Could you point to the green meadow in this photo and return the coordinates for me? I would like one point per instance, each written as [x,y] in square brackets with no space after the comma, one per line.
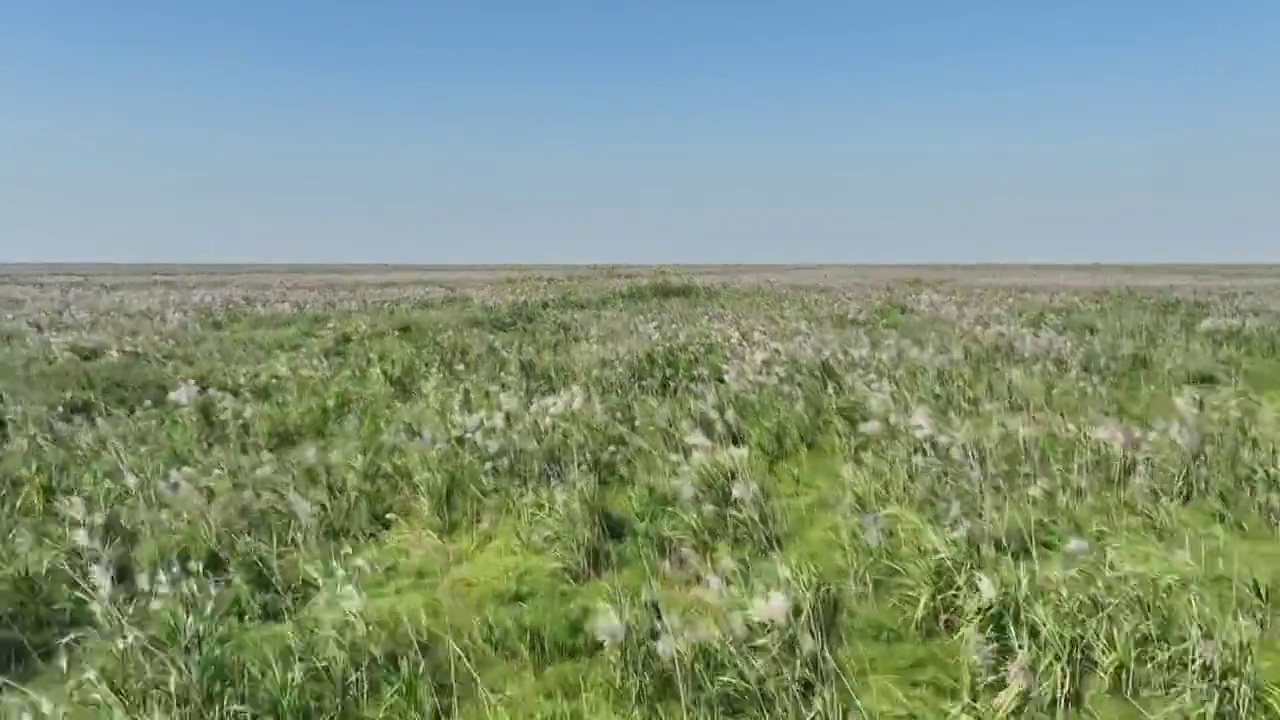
[640,498]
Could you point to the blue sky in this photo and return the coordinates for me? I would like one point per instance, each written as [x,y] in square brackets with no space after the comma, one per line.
[575,131]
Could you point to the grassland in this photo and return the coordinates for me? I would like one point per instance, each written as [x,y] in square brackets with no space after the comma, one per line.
[622,494]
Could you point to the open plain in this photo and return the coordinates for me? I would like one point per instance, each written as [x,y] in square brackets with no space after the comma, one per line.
[618,492]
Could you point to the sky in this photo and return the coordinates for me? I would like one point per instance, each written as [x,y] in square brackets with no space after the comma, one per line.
[576,131]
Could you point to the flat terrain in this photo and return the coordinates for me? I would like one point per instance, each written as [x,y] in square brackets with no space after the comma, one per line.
[838,275]
[698,492]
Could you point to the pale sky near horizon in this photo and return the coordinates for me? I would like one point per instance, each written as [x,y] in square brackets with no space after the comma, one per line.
[571,131]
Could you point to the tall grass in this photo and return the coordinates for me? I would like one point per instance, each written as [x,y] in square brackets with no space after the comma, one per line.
[639,499]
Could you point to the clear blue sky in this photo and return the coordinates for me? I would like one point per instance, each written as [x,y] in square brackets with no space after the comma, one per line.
[662,131]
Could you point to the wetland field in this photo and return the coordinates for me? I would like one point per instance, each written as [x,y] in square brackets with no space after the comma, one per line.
[685,493]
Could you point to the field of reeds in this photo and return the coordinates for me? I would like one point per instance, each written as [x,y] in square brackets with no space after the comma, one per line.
[638,497]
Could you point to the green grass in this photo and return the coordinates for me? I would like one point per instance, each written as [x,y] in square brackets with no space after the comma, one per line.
[630,499]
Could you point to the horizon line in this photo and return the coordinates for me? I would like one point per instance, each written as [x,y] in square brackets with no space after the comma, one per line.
[604,265]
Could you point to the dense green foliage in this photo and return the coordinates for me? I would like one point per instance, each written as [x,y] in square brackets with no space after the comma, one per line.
[640,499]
